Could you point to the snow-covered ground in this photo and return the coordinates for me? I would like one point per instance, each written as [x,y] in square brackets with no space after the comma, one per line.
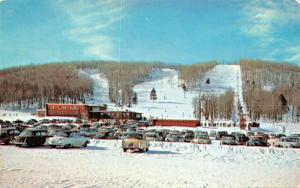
[103,164]
[172,102]
[100,90]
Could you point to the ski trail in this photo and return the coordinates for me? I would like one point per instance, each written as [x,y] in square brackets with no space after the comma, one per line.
[223,78]
[172,102]
[100,87]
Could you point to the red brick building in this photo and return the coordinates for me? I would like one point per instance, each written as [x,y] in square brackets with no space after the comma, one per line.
[175,122]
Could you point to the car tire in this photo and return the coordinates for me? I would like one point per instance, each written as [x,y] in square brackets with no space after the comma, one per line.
[85,144]
[147,149]
[67,146]
[124,149]
[6,143]
[52,146]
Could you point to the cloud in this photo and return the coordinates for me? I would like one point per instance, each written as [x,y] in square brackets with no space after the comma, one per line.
[2,1]
[263,20]
[91,23]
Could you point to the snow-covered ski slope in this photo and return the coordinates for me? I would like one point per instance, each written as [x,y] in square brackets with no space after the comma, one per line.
[100,90]
[103,164]
[174,103]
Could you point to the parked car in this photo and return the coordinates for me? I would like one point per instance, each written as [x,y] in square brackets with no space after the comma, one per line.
[257,141]
[204,133]
[174,137]
[104,133]
[229,140]
[117,134]
[88,132]
[188,135]
[31,137]
[53,131]
[140,131]
[295,135]
[288,142]
[153,136]
[7,135]
[220,134]
[163,133]
[213,134]
[67,140]
[135,141]
[249,134]
[274,138]
[241,137]
[201,139]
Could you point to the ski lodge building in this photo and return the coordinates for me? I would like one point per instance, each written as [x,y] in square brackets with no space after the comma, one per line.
[86,112]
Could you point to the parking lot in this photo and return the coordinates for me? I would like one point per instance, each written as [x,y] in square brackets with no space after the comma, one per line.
[104,164]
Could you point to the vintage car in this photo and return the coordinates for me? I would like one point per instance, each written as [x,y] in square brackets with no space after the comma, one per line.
[257,141]
[88,132]
[295,135]
[201,139]
[229,140]
[213,134]
[153,136]
[203,133]
[274,138]
[104,133]
[67,140]
[220,134]
[188,135]
[163,133]
[7,135]
[241,137]
[174,137]
[135,141]
[31,137]
[140,131]
[250,134]
[288,142]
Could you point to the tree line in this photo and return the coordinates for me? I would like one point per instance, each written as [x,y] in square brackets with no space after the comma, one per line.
[122,77]
[214,106]
[27,86]
[271,89]
[191,74]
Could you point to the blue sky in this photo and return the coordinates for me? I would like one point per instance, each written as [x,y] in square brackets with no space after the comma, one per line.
[171,31]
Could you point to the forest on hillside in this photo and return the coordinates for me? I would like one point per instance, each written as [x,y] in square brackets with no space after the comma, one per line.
[31,85]
[191,74]
[271,89]
[214,106]
[122,77]
[34,86]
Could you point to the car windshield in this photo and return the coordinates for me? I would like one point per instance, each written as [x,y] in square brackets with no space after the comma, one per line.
[292,139]
[134,135]
[297,135]
[151,134]
[74,134]
[201,136]
[26,133]
[62,134]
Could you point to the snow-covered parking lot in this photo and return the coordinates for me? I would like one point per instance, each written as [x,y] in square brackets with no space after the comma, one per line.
[103,164]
